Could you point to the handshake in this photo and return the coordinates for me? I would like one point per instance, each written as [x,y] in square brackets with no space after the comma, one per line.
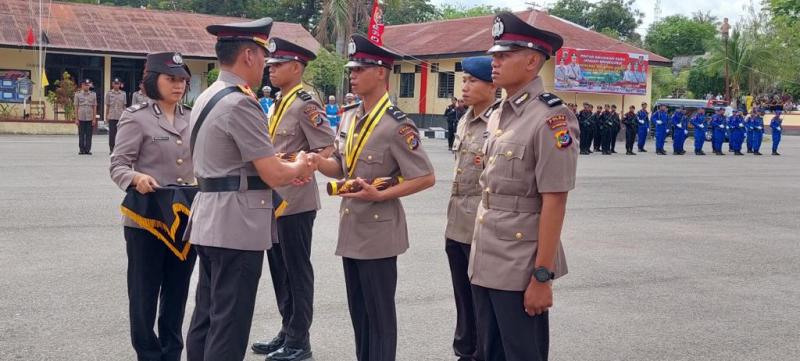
[304,164]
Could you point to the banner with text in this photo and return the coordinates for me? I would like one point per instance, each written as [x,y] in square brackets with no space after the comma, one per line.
[593,71]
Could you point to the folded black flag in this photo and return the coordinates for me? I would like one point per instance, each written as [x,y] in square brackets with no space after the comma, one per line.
[164,213]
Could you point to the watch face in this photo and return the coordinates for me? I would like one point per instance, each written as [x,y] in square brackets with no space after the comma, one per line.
[543,274]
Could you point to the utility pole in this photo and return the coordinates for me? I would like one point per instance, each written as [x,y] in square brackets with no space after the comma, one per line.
[724,28]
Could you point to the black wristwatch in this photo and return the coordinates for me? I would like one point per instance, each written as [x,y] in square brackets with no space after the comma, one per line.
[542,274]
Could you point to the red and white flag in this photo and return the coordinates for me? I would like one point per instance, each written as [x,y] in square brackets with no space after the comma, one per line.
[375,31]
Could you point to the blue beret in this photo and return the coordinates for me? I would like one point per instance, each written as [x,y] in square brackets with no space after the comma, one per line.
[479,67]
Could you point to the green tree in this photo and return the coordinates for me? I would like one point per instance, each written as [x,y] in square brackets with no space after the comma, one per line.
[325,73]
[669,85]
[449,11]
[396,12]
[702,81]
[575,11]
[678,35]
[784,8]
[617,15]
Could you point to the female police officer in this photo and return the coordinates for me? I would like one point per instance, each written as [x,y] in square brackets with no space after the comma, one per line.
[152,149]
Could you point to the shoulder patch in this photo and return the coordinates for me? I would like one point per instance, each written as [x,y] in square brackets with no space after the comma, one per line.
[396,113]
[550,99]
[315,115]
[557,121]
[563,139]
[492,108]
[304,95]
[137,107]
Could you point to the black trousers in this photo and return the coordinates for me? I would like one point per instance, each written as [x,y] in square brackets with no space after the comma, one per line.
[614,135]
[451,136]
[85,130]
[605,139]
[157,280]
[371,286]
[112,134]
[598,137]
[465,342]
[293,276]
[630,138]
[505,331]
[224,303]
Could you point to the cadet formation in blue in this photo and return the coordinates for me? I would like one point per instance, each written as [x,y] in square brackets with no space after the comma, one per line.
[600,128]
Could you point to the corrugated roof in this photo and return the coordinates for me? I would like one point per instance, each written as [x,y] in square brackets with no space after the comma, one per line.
[113,29]
[474,35]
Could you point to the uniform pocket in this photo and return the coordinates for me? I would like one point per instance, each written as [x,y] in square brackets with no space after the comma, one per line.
[258,200]
[511,228]
[286,132]
[378,212]
[369,161]
[508,159]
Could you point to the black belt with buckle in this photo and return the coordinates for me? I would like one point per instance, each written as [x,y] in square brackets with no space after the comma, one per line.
[230,184]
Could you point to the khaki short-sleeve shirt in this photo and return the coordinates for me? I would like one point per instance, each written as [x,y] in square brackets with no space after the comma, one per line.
[531,149]
[85,105]
[232,136]
[373,230]
[115,100]
[466,192]
[302,127]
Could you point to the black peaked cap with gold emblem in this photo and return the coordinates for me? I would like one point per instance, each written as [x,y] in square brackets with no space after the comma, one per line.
[256,31]
[363,52]
[167,63]
[281,51]
[512,33]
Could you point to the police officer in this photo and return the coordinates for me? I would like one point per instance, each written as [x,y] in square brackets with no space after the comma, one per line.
[479,95]
[615,128]
[236,168]
[643,127]
[298,123]
[139,95]
[680,121]
[153,150]
[606,129]
[381,141]
[631,123]
[776,124]
[699,124]
[719,124]
[748,127]
[585,122]
[598,128]
[516,249]
[266,100]
[736,126]
[85,102]
[661,120]
[757,125]
[115,103]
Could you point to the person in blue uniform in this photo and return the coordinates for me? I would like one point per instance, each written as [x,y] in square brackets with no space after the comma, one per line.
[699,124]
[736,126]
[776,124]
[644,127]
[679,122]
[266,101]
[757,130]
[661,120]
[748,127]
[719,124]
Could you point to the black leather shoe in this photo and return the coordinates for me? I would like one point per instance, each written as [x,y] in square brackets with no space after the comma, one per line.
[266,348]
[757,153]
[287,353]
[642,150]
[775,153]
[738,153]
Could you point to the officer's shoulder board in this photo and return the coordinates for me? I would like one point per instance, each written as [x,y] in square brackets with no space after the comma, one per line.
[136,107]
[349,107]
[396,113]
[302,94]
[550,99]
[492,108]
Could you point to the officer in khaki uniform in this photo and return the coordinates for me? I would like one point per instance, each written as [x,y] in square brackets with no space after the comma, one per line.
[381,141]
[298,123]
[479,95]
[85,102]
[138,96]
[115,103]
[532,157]
[236,170]
[153,150]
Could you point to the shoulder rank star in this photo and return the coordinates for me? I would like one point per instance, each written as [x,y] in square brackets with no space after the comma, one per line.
[563,139]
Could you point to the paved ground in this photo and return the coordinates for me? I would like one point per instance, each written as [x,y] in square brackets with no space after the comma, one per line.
[671,258]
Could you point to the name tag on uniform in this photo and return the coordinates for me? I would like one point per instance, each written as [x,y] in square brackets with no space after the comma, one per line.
[156,139]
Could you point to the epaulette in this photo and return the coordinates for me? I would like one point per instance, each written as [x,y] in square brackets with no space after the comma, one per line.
[137,107]
[550,99]
[350,107]
[304,95]
[396,113]
[492,108]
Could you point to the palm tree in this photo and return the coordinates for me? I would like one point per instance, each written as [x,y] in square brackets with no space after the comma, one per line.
[339,20]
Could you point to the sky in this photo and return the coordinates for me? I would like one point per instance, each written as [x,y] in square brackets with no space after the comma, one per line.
[732,9]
